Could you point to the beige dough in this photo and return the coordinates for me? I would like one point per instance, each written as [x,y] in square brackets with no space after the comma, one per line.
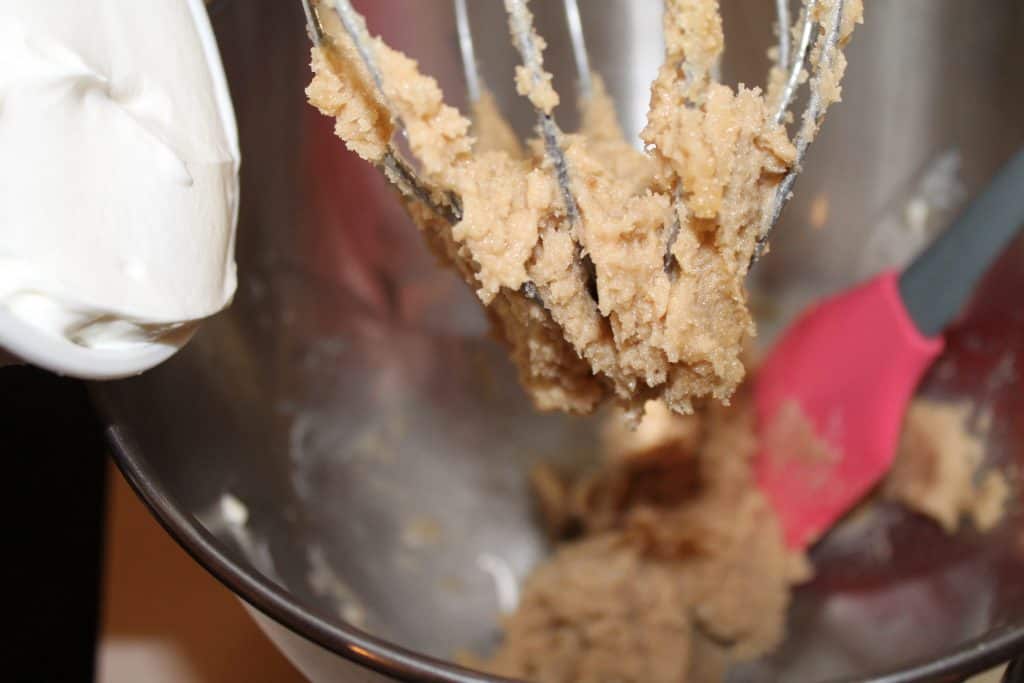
[644,296]
[670,564]
[936,472]
[680,568]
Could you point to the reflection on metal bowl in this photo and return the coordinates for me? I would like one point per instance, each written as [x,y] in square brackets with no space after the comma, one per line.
[352,406]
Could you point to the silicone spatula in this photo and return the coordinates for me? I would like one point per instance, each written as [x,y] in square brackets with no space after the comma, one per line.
[851,363]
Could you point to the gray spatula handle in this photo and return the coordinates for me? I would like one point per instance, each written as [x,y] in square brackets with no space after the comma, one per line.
[937,284]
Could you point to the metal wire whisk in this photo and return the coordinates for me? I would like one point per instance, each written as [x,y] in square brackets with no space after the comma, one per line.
[792,59]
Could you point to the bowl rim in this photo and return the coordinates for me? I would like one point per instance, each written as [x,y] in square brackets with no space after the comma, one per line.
[378,654]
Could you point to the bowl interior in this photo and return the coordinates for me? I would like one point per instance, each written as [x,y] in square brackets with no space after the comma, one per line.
[349,432]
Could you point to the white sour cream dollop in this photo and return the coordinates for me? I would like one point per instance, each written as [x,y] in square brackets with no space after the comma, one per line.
[118,182]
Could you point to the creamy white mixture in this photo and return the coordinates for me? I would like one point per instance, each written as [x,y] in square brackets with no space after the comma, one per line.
[118,173]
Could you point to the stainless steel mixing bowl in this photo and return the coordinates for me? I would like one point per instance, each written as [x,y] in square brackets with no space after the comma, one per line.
[345,448]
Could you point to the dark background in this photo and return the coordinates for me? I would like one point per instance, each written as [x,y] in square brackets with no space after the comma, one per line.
[53,497]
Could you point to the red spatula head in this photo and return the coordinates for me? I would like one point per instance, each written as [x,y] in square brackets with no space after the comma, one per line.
[846,370]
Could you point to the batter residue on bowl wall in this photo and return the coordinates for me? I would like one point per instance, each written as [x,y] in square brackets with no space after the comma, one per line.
[936,472]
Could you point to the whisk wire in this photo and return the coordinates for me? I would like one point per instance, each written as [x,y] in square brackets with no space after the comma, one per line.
[396,169]
[796,66]
[355,26]
[811,119]
[521,26]
[313,28]
[468,51]
[791,59]
[782,21]
[579,47]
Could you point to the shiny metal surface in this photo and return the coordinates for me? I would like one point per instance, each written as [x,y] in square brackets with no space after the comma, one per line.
[352,402]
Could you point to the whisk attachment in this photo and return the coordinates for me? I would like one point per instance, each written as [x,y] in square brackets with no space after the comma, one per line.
[399,172]
[526,43]
[792,59]
[663,237]
[525,38]
[812,116]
